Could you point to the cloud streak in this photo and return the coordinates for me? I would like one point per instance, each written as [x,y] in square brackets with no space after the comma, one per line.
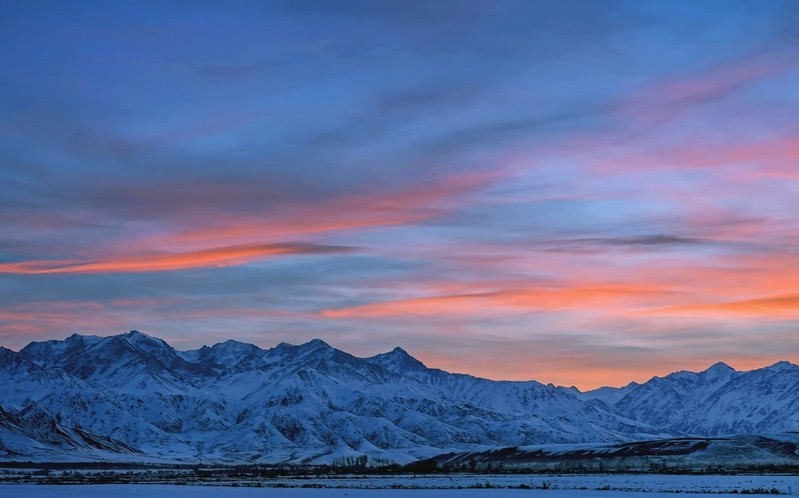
[158,262]
[778,307]
[531,299]
[667,98]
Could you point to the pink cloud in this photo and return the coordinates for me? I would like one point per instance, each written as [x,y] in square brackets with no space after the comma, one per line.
[779,307]
[364,210]
[579,297]
[153,262]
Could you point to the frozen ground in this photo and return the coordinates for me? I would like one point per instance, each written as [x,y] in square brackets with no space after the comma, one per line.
[578,486]
[168,491]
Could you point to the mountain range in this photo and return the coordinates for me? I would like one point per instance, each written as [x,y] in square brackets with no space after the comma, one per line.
[133,397]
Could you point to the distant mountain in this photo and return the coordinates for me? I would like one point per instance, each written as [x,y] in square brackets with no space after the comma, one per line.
[133,397]
[716,402]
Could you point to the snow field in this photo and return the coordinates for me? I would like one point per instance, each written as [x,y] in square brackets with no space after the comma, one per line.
[578,486]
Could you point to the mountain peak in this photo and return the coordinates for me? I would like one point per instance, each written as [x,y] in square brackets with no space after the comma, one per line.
[76,337]
[231,345]
[228,354]
[397,361]
[782,366]
[135,334]
[145,342]
[720,367]
[717,374]
[317,343]
[232,342]
[314,347]
[48,351]
[9,358]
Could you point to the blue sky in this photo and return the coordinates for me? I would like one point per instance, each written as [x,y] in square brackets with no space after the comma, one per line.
[578,192]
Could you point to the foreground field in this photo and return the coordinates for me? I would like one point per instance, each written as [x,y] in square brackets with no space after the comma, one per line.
[447,486]
[159,491]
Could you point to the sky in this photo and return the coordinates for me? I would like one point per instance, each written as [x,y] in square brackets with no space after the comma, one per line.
[577,192]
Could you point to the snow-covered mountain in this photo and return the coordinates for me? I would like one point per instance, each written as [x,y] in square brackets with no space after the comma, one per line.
[134,397]
[716,402]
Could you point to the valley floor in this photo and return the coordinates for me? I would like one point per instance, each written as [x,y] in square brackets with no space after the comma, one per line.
[447,486]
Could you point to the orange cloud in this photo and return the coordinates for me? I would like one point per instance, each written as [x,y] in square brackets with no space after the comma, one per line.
[537,299]
[357,211]
[218,256]
[260,235]
[779,306]
[731,278]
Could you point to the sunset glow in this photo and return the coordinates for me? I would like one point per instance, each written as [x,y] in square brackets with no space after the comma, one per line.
[575,192]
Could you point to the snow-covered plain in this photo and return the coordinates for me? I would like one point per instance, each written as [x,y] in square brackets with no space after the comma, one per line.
[578,486]
[159,491]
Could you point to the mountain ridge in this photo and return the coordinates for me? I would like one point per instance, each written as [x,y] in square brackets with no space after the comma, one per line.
[133,396]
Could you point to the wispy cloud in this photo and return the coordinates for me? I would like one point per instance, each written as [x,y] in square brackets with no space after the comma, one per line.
[667,98]
[154,262]
[364,210]
[778,307]
[607,297]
